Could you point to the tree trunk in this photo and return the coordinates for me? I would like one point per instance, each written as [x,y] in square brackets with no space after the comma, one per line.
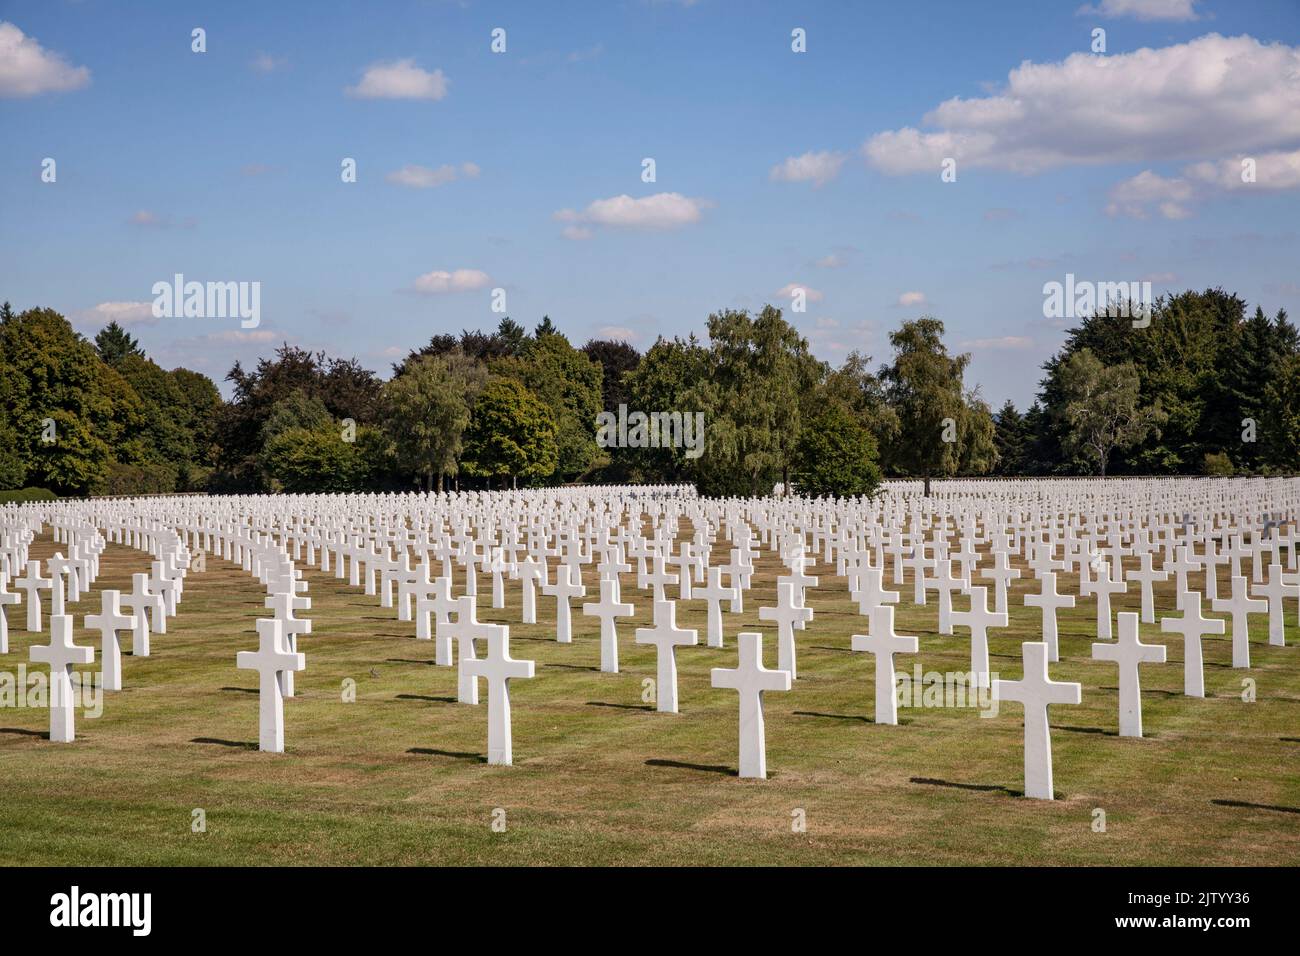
[927,486]
[785,479]
[439,482]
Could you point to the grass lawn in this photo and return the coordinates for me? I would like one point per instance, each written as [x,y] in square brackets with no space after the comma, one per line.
[399,776]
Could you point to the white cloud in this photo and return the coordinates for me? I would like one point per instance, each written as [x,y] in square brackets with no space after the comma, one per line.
[1200,182]
[618,332]
[399,80]
[1273,171]
[818,168]
[911,299]
[787,290]
[832,261]
[1159,278]
[459,280]
[422,177]
[28,69]
[265,63]
[1181,10]
[1132,197]
[576,233]
[240,337]
[1177,102]
[658,212]
[1004,342]
[123,313]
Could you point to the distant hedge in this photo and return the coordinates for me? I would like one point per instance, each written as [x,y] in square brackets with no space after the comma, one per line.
[26,494]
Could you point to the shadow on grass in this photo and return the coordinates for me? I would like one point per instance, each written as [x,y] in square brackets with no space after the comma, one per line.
[240,744]
[682,765]
[574,667]
[243,690]
[408,660]
[43,734]
[439,700]
[457,754]
[601,703]
[1087,730]
[1254,806]
[981,787]
[812,713]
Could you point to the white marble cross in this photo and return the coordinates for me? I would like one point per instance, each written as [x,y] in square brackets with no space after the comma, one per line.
[1146,575]
[979,619]
[283,604]
[1106,585]
[713,596]
[1239,606]
[6,597]
[32,583]
[608,609]
[1274,591]
[1036,691]
[139,601]
[884,644]
[563,589]
[750,678]
[270,660]
[498,668]
[666,637]
[531,571]
[786,615]
[1049,600]
[1128,652]
[108,622]
[61,654]
[1192,626]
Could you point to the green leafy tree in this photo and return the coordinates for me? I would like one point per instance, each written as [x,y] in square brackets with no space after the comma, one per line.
[924,387]
[114,343]
[318,459]
[428,409]
[836,455]
[1103,410]
[511,434]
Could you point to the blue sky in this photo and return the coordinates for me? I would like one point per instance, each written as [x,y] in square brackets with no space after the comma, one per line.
[773,168]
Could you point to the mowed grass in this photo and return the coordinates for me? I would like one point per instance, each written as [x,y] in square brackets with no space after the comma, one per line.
[399,776]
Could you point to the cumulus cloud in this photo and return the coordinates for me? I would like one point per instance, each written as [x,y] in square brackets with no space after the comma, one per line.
[787,290]
[399,80]
[28,69]
[911,299]
[1135,197]
[422,177]
[265,63]
[817,168]
[1002,342]
[659,212]
[459,280]
[1180,10]
[1273,171]
[832,261]
[1172,197]
[1180,102]
[123,313]
[618,332]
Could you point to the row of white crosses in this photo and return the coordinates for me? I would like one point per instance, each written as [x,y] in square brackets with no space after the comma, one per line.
[1081,527]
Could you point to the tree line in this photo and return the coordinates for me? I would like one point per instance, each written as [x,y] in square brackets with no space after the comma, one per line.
[1202,389]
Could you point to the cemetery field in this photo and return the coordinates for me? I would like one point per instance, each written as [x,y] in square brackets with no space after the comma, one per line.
[400,776]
